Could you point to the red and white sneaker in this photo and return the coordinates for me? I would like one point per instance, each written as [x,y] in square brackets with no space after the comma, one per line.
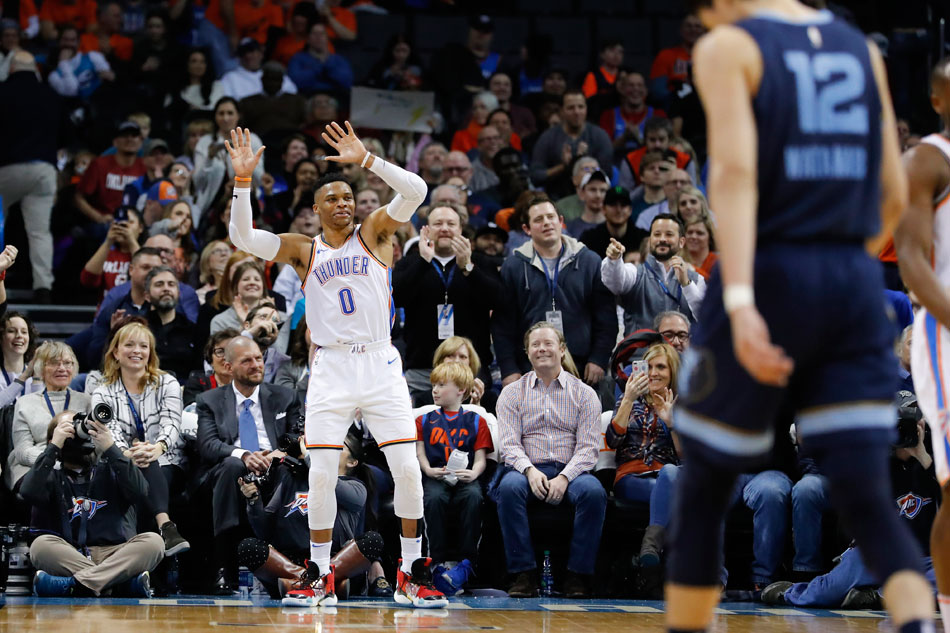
[416,588]
[312,589]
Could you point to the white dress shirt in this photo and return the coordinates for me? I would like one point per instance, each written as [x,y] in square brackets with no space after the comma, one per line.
[258,419]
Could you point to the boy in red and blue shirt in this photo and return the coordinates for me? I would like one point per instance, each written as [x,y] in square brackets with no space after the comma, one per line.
[439,432]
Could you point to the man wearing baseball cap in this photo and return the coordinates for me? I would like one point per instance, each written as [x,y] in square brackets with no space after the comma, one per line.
[591,192]
[156,159]
[159,194]
[100,191]
[617,225]
[245,80]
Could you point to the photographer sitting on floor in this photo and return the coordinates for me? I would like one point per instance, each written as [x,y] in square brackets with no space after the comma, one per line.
[87,506]
[277,512]
[851,585]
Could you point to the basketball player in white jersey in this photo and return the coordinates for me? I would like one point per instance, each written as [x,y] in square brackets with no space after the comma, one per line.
[345,273]
[923,252]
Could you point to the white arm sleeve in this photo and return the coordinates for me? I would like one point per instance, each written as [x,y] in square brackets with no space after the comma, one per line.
[263,244]
[410,189]
[618,277]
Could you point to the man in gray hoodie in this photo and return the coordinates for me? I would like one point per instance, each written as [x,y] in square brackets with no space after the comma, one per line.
[553,278]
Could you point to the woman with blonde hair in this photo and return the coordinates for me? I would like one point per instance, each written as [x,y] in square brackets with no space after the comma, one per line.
[642,434]
[54,365]
[247,290]
[689,204]
[700,248]
[146,404]
[211,266]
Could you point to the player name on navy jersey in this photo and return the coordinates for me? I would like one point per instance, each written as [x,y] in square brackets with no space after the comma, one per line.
[341,267]
[818,114]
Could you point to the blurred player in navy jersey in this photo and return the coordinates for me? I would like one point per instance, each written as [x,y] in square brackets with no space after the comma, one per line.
[924,256]
[804,163]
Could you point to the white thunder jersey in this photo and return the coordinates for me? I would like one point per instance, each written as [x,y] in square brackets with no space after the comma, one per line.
[348,294]
[930,344]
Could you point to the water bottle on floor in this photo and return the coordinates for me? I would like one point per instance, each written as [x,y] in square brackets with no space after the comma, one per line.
[547,578]
[245,583]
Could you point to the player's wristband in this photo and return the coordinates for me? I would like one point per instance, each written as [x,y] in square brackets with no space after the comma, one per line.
[365,159]
[242,180]
[737,296]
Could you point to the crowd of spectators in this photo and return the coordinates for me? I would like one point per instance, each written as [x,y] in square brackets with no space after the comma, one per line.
[544,294]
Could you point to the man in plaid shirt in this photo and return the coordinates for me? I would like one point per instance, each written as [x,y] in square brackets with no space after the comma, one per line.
[549,422]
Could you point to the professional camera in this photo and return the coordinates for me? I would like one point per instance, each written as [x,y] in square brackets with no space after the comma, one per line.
[289,442]
[908,415]
[101,413]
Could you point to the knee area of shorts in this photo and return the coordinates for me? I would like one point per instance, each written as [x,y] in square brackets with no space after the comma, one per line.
[407,470]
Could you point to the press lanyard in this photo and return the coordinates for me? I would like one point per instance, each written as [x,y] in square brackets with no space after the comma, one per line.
[552,281]
[6,376]
[678,298]
[139,427]
[49,403]
[446,281]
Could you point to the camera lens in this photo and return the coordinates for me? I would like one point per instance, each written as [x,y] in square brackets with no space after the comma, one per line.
[103,413]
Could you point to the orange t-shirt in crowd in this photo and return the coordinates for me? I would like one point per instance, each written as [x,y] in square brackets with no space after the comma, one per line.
[466,139]
[705,269]
[672,63]
[590,86]
[121,45]
[288,46]
[82,14]
[252,21]
[345,17]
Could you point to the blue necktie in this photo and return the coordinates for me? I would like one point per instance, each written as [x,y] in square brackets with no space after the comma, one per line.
[248,429]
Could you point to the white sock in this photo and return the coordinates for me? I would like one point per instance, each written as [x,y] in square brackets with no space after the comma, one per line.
[944,602]
[411,550]
[320,554]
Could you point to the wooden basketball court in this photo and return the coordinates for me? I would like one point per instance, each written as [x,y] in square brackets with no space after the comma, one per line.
[227,615]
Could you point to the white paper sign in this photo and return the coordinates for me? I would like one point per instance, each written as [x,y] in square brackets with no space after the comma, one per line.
[391,109]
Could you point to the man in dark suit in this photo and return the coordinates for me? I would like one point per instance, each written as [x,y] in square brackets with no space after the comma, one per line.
[238,430]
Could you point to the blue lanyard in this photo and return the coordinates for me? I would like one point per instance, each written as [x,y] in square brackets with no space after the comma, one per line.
[139,427]
[446,281]
[552,281]
[678,298]
[6,376]
[49,403]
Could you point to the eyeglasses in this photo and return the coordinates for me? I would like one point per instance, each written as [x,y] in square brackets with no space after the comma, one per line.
[670,335]
[221,251]
[65,364]
[218,352]
[181,172]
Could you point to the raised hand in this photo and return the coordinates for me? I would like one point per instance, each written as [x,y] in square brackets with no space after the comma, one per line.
[349,145]
[426,247]
[243,158]
[663,403]
[615,249]
[7,257]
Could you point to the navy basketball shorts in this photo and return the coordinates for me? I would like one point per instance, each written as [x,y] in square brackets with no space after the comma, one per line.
[824,304]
